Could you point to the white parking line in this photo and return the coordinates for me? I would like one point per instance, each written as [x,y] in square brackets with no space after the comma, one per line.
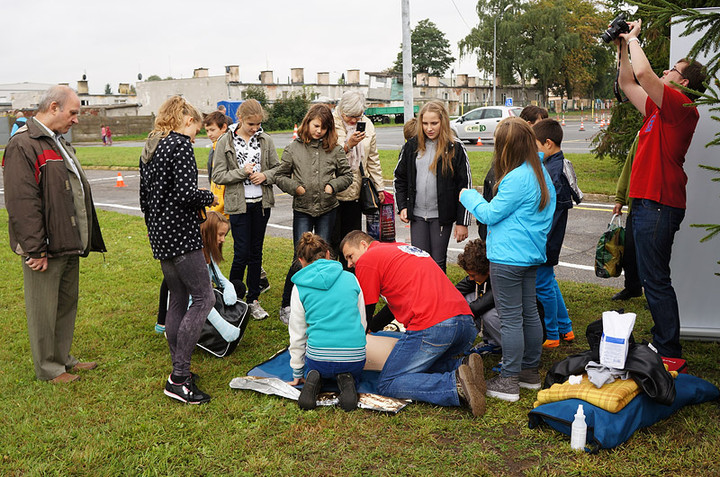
[118,206]
[113,178]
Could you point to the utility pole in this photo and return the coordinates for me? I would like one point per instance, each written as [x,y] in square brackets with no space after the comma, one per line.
[495,50]
[407,63]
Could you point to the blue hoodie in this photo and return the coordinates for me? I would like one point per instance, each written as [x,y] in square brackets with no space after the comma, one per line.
[327,317]
[517,230]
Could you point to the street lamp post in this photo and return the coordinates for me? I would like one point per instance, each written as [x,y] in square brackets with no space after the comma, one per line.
[495,51]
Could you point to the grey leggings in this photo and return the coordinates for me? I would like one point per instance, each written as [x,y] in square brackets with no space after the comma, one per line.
[186,275]
[429,235]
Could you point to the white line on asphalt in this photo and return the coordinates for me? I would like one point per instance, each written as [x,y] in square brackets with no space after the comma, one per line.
[114,178]
[118,206]
[589,204]
[281,227]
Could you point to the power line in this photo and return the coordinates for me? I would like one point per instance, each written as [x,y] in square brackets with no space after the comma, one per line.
[461,16]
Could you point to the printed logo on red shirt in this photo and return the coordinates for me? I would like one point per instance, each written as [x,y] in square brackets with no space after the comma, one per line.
[412,250]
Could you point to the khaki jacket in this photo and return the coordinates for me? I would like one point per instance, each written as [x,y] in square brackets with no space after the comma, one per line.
[310,166]
[226,171]
[370,159]
[39,197]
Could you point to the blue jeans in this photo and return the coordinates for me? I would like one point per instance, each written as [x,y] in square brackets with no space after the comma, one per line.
[422,364]
[248,231]
[556,315]
[322,225]
[654,226]
[521,330]
[330,369]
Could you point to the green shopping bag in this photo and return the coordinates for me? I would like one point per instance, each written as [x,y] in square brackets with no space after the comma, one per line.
[610,250]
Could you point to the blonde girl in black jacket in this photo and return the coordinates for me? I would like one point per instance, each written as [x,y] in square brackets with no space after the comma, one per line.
[171,201]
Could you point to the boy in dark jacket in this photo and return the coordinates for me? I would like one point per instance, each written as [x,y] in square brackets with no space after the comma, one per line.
[477,290]
[558,326]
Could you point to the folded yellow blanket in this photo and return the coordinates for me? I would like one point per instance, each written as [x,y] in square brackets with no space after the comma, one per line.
[612,396]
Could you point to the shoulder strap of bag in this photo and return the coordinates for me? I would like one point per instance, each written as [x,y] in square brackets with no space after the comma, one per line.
[216,276]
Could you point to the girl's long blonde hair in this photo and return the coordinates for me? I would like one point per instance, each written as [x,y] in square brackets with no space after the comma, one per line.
[443,153]
[171,113]
[514,145]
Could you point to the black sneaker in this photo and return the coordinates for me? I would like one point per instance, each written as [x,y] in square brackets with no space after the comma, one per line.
[186,392]
[310,390]
[626,294]
[348,395]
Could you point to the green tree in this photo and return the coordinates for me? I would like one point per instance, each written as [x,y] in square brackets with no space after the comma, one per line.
[153,78]
[587,62]
[430,50]
[512,64]
[286,112]
[553,42]
[108,89]
[257,93]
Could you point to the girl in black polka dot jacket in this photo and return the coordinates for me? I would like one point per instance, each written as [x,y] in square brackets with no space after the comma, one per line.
[170,200]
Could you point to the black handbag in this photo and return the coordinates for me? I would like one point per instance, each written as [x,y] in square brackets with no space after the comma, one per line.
[236,315]
[369,198]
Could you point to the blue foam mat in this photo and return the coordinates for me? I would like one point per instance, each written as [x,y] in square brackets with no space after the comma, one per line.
[279,367]
[605,429]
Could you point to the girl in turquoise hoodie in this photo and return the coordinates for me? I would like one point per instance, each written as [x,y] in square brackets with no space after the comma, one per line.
[327,324]
[518,218]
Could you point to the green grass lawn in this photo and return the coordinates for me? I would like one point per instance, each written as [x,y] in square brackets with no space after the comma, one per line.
[595,176]
[116,420]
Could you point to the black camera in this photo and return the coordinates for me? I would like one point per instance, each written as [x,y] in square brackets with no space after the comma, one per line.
[619,25]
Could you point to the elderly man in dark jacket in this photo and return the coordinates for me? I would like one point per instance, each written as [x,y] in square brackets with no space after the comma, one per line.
[52,223]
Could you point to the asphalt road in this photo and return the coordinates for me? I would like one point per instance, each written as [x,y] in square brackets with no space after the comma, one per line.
[391,138]
[585,224]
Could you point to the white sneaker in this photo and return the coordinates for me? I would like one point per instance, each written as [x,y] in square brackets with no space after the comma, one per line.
[285,314]
[257,311]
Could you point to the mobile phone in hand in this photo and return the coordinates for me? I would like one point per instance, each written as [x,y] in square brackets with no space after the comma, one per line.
[360,126]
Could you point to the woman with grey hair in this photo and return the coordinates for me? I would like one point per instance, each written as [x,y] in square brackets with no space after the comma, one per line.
[360,148]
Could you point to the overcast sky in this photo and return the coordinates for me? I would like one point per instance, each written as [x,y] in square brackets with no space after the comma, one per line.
[113,41]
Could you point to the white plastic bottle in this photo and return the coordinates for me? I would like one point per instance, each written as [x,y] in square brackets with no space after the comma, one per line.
[578,435]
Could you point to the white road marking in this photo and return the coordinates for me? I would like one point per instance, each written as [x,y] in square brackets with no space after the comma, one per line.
[450,249]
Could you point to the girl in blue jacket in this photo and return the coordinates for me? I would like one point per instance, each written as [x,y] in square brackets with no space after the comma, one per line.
[518,218]
[327,324]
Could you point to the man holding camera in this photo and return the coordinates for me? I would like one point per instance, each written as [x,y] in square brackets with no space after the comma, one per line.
[657,180]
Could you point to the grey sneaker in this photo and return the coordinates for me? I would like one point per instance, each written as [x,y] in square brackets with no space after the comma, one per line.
[469,390]
[505,388]
[529,378]
[285,314]
[257,311]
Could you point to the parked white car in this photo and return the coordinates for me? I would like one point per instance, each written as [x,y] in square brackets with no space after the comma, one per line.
[481,122]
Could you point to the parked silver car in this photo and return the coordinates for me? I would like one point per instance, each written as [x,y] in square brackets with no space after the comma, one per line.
[481,122]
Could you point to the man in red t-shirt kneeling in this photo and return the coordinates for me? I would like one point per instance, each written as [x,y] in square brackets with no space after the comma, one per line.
[438,322]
